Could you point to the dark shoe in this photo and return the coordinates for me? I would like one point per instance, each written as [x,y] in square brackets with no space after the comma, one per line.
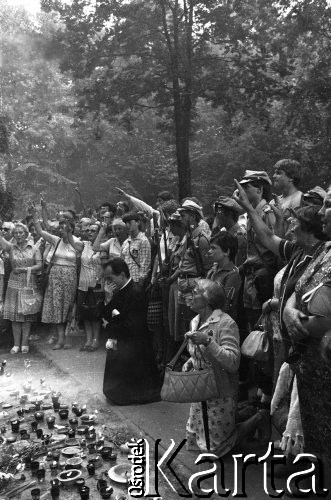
[91,348]
[57,346]
[85,347]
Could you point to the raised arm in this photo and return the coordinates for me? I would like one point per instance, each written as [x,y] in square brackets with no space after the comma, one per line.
[44,212]
[97,245]
[44,234]
[138,205]
[4,244]
[262,231]
[74,242]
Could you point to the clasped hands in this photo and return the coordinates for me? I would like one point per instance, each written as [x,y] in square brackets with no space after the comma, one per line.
[197,337]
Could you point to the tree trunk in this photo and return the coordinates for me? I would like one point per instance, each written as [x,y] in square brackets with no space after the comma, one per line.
[182,113]
[182,126]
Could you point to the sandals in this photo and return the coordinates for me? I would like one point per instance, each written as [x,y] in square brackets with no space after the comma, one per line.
[16,349]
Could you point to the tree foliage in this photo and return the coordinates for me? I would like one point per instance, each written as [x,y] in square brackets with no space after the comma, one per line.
[152,95]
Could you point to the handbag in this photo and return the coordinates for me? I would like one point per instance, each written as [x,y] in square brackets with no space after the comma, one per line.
[43,278]
[256,345]
[188,387]
[29,300]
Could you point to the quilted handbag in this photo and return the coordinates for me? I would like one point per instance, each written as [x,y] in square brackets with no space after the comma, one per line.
[256,345]
[188,387]
[30,299]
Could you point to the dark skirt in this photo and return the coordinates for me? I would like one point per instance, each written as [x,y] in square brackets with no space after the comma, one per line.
[87,304]
[131,375]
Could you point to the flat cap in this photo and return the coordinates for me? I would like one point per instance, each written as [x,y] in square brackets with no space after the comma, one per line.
[255,175]
[190,206]
[316,192]
[227,202]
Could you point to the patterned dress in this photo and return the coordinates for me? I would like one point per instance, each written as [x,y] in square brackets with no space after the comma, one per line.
[313,373]
[61,289]
[20,257]
[221,411]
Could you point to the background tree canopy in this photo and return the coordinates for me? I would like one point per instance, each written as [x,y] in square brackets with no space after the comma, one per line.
[168,94]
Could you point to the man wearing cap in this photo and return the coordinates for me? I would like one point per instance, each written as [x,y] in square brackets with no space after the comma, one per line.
[227,212]
[136,249]
[286,180]
[195,261]
[314,196]
[261,264]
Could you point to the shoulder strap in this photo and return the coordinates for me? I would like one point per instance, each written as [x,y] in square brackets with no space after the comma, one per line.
[174,360]
[51,262]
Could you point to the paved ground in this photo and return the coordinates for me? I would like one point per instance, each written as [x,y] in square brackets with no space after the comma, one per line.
[83,373]
[165,421]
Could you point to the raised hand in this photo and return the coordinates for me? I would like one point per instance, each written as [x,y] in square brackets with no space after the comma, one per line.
[241,197]
[121,192]
[32,209]
[42,200]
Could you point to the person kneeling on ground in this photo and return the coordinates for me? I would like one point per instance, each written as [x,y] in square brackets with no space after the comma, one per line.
[131,375]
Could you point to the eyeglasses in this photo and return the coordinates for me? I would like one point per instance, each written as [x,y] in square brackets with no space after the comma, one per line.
[5,229]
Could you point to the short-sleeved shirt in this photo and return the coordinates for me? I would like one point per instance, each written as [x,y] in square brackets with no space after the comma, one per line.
[65,255]
[112,246]
[188,264]
[137,254]
[90,271]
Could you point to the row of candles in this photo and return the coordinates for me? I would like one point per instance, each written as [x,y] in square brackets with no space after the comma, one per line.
[84,491]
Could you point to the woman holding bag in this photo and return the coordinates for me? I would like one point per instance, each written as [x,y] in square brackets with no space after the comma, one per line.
[24,257]
[61,287]
[213,338]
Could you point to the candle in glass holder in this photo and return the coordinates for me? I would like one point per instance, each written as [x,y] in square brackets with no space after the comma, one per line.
[15,426]
[39,416]
[34,466]
[63,414]
[50,420]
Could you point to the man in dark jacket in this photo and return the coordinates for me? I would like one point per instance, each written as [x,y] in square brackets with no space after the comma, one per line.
[131,375]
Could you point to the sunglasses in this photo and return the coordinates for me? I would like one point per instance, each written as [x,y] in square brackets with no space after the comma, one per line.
[5,229]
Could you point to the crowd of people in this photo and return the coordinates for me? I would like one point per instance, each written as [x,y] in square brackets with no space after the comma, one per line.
[150,277]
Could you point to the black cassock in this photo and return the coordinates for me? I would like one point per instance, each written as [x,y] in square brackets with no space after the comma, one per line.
[131,375]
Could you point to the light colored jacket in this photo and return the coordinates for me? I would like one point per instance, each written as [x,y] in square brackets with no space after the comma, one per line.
[223,351]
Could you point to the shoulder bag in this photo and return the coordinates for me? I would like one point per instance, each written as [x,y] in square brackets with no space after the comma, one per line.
[188,387]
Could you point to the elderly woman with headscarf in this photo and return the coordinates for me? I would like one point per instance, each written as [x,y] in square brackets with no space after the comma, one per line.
[25,260]
[213,338]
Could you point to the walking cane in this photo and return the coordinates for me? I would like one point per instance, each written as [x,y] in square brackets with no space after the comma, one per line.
[205,423]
